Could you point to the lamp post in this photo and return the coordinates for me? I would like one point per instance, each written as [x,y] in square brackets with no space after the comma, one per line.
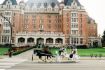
[10,46]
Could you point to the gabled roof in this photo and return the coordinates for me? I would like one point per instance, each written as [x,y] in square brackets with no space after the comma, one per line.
[14,2]
[69,2]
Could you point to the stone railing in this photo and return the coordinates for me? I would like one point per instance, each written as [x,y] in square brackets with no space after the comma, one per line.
[40,34]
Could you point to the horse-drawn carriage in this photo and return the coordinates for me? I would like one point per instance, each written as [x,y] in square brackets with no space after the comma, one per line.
[44,51]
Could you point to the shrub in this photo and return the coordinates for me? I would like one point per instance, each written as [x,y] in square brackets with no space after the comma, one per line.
[21,51]
[82,46]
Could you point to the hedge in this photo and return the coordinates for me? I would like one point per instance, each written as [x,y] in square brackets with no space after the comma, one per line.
[19,52]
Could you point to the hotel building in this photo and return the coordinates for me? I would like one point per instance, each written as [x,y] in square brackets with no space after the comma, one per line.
[46,22]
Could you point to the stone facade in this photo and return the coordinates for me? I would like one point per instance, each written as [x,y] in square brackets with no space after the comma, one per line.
[47,22]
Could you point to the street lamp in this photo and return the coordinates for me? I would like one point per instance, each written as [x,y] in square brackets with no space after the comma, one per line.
[10,46]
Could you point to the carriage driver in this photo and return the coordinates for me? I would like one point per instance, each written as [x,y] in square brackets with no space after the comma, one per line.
[46,49]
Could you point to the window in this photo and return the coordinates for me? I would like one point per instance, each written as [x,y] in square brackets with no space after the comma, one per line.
[6,31]
[33,21]
[26,21]
[74,40]
[1,6]
[8,13]
[34,26]
[6,24]
[81,41]
[14,14]
[41,27]
[53,4]
[81,15]
[39,4]
[49,21]
[33,16]
[73,14]
[81,20]
[32,4]
[45,5]
[81,32]
[49,16]
[41,21]
[74,32]
[5,39]
[74,19]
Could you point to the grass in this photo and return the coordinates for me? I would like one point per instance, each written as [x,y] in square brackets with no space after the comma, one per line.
[94,51]
[85,52]
[55,51]
[3,51]
[81,52]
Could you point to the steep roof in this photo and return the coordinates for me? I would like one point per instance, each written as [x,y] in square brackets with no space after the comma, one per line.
[39,3]
[14,2]
[69,2]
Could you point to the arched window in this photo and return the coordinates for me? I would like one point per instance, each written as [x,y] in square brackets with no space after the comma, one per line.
[30,40]
[49,40]
[59,40]
[21,40]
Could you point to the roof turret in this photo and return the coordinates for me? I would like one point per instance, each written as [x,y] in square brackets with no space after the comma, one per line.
[69,2]
[14,2]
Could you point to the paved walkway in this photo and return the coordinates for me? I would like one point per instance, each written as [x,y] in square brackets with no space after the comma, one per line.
[82,65]
[24,62]
[6,62]
[10,62]
[26,55]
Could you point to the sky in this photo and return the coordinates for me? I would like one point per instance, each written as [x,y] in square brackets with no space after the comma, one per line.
[95,9]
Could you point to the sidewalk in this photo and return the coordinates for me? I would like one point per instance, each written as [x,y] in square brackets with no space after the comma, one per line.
[93,58]
[6,62]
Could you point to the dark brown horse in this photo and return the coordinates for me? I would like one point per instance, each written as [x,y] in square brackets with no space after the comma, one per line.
[41,53]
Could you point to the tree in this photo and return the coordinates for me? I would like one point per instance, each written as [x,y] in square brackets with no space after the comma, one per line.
[103,39]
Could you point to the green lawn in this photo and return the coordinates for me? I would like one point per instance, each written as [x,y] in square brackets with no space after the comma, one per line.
[81,52]
[3,50]
[85,52]
[94,51]
[55,51]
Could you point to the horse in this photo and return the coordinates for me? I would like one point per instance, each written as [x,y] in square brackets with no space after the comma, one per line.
[41,53]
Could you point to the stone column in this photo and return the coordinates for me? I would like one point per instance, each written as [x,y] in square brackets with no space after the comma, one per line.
[63,41]
[54,41]
[25,41]
[79,41]
[35,41]
[44,40]
[16,41]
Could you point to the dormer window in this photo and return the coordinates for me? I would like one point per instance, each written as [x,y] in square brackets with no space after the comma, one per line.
[8,2]
[45,5]
[32,4]
[74,3]
[53,4]
[38,5]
